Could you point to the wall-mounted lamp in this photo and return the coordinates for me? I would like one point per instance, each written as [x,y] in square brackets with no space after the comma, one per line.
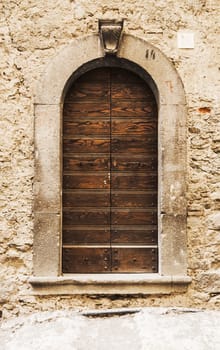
[110,32]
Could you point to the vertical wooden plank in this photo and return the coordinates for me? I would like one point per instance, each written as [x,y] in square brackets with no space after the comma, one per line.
[134,172]
[86,165]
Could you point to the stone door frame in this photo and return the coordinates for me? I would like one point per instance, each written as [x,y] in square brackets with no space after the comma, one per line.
[48,101]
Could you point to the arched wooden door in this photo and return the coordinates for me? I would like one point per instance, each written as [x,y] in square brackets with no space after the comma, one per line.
[109,174]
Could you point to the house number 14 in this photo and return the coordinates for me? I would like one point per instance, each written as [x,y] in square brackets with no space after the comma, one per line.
[150,54]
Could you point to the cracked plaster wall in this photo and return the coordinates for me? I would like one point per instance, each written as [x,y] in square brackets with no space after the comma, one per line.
[31,33]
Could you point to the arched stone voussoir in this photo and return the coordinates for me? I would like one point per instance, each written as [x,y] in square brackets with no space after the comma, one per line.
[85,49]
[159,67]
[60,69]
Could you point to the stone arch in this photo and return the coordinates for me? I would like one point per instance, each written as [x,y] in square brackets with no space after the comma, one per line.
[171,152]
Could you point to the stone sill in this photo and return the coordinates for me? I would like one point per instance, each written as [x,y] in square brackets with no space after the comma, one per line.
[109,284]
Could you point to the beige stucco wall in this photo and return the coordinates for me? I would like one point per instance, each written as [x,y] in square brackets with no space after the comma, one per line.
[31,34]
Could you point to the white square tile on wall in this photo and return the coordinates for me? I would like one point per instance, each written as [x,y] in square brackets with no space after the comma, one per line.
[185,40]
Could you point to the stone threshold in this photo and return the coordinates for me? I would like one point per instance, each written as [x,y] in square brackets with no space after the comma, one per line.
[109,284]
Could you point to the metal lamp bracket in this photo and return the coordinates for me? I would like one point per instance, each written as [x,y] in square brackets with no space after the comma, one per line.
[110,32]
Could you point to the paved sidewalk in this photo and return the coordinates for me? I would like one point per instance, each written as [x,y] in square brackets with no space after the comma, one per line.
[142,329]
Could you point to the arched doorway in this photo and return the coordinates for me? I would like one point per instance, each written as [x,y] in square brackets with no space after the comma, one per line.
[80,56]
[110,180]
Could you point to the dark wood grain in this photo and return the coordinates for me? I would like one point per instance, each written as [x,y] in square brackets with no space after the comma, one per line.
[89,109]
[85,162]
[86,126]
[86,217]
[86,181]
[135,181]
[134,234]
[133,217]
[77,199]
[133,162]
[132,109]
[135,91]
[86,234]
[84,91]
[86,260]
[139,126]
[134,260]
[86,145]
[134,145]
[133,200]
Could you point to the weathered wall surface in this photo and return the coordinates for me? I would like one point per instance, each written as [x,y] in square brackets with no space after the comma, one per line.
[31,33]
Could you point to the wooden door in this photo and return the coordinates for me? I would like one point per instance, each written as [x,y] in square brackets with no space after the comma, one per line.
[109,174]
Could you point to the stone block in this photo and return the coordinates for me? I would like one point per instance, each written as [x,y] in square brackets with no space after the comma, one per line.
[214,221]
[209,282]
[47,249]
[173,242]
[47,184]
